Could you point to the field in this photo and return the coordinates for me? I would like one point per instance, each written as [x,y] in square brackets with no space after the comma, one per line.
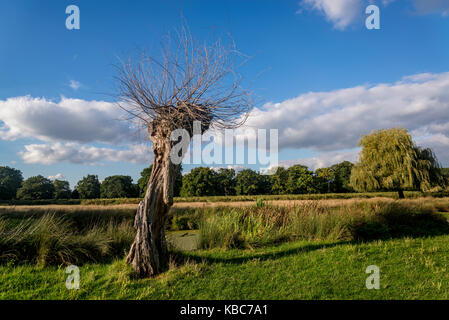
[272,249]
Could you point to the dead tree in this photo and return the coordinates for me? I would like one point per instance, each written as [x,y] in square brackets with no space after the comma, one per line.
[190,81]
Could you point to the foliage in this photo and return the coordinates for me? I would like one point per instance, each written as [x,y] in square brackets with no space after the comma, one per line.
[250,182]
[225,180]
[300,180]
[118,187]
[36,187]
[10,181]
[89,187]
[390,160]
[62,189]
[200,181]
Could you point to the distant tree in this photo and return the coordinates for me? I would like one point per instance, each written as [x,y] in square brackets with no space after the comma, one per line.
[342,176]
[89,187]
[300,180]
[36,188]
[10,181]
[75,194]
[200,181]
[117,187]
[248,182]
[145,176]
[143,180]
[326,179]
[391,160]
[225,182]
[62,189]
[279,181]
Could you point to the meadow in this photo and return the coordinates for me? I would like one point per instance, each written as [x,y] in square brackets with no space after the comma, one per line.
[266,249]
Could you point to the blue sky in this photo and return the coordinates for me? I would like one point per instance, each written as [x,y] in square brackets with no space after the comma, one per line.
[311,60]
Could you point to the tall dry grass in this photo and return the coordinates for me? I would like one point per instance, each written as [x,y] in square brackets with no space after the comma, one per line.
[355,221]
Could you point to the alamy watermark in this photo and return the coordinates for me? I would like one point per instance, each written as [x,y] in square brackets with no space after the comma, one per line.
[373,281]
[226,147]
[73,280]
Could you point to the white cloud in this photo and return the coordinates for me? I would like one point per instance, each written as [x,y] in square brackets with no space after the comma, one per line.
[341,13]
[323,160]
[81,154]
[70,120]
[58,176]
[335,120]
[75,85]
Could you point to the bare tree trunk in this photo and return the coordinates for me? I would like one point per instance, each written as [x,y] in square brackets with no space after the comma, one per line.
[401,194]
[148,254]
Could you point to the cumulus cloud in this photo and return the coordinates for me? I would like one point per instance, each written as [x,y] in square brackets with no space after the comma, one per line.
[82,154]
[341,13]
[70,120]
[335,120]
[58,176]
[323,160]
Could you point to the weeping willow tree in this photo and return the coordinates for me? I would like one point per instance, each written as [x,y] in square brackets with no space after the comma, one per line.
[390,160]
[188,81]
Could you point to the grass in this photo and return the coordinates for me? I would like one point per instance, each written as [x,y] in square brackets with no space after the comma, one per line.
[318,196]
[409,269]
[319,250]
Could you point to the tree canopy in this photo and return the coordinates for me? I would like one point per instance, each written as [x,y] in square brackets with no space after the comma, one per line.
[200,181]
[390,160]
[118,186]
[37,188]
[62,189]
[89,187]
[10,181]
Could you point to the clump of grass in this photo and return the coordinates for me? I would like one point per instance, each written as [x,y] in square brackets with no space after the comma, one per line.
[358,221]
[52,239]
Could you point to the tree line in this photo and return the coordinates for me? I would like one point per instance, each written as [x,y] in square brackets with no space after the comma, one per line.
[389,160]
[200,181]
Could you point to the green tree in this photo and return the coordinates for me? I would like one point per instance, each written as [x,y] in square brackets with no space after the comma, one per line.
[62,189]
[36,188]
[390,160]
[279,181]
[10,181]
[300,180]
[89,187]
[225,180]
[199,182]
[325,179]
[145,176]
[117,187]
[342,176]
[248,182]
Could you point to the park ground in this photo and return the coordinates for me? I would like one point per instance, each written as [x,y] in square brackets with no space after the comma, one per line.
[411,267]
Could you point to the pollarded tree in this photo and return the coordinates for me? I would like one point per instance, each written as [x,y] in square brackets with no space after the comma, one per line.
[390,160]
[190,81]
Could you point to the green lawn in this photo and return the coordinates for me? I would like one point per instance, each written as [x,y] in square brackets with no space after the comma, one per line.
[409,269]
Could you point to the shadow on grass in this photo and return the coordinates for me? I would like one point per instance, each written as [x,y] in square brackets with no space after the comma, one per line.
[181,257]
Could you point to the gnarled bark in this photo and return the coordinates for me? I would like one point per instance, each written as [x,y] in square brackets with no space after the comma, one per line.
[148,254]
